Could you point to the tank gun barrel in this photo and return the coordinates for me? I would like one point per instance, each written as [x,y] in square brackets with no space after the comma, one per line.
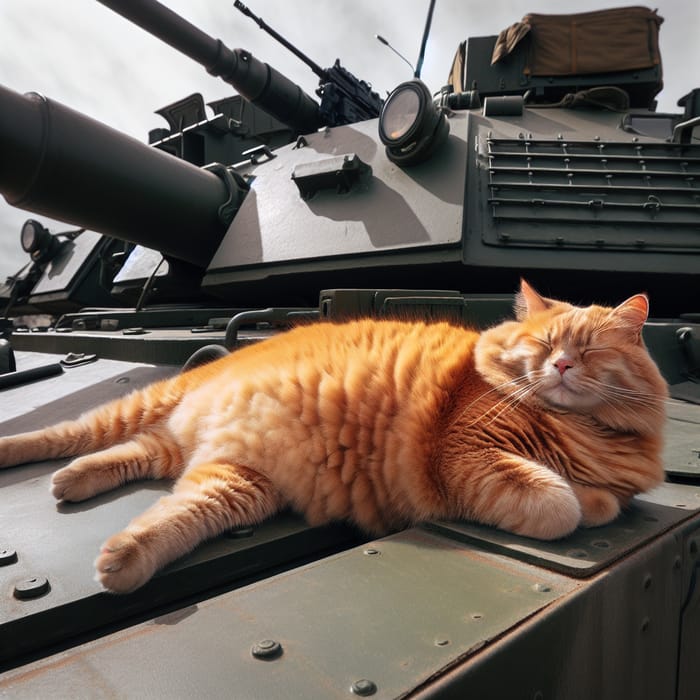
[256,81]
[62,164]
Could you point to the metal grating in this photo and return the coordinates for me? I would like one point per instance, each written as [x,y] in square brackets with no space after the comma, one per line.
[592,194]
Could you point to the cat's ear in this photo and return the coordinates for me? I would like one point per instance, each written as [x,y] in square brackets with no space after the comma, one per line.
[632,314]
[528,302]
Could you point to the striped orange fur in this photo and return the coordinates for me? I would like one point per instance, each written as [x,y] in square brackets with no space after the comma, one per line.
[537,426]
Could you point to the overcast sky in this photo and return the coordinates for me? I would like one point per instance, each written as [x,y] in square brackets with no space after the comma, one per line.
[82,54]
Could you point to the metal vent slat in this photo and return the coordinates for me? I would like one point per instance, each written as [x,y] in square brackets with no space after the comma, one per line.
[626,194]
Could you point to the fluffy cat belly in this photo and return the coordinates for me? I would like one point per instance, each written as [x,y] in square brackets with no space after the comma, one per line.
[329,463]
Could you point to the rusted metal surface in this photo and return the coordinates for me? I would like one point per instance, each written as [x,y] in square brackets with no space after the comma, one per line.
[391,614]
[616,636]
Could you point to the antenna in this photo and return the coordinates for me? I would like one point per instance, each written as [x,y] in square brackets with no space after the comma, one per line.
[287,45]
[426,31]
[386,43]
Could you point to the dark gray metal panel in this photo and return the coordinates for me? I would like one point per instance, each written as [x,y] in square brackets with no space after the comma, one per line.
[65,268]
[66,395]
[682,449]
[614,638]
[663,340]
[622,191]
[569,241]
[162,346]
[395,612]
[588,550]
[397,210]
[688,670]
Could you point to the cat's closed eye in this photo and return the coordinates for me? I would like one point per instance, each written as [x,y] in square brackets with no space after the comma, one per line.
[545,342]
[592,350]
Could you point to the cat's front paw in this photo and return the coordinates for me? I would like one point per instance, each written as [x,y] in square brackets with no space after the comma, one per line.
[123,564]
[598,506]
[77,482]
[71,484]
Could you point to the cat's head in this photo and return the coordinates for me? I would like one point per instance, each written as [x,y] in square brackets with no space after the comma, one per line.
[591,360]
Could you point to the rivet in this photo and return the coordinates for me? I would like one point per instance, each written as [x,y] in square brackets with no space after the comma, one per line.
[477,616]
[122,380]
[364,687]
[266,649]
[441,642]
[601,544]
[7,556]
[371,551]
[677,563]
[645,624]
[542,588]
[538,695]
[693,547]
[647,582]
[31,588]
[577,553]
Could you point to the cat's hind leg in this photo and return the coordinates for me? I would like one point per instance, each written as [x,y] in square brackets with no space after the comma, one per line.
[36,445]
[206,501]
[153,454]
[523,497]
[110,424]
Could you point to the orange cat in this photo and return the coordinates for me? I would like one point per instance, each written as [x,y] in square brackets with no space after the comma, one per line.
[535,426]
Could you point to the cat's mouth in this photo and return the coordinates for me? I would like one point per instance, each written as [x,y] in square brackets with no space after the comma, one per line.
[563,392]
[560,396]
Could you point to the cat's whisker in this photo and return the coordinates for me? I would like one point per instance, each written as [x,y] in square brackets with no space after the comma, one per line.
[496,389]
[622,398]
[508,402]
[516,398]
[508,398]
[625,395]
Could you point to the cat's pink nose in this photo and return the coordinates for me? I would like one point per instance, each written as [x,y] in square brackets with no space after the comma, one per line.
[563,363]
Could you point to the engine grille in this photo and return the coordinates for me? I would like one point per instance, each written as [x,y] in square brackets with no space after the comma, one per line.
[593,194]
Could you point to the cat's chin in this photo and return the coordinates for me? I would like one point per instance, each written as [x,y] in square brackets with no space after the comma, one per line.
[566,398]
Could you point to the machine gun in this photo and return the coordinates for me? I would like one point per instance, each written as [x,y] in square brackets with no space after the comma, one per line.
[345,99]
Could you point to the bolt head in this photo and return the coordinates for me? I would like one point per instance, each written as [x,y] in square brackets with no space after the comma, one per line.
[266,649]
[364,687]
[7,556]
[31,588]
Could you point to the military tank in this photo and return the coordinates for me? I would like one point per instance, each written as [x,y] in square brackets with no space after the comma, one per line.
[225,230]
